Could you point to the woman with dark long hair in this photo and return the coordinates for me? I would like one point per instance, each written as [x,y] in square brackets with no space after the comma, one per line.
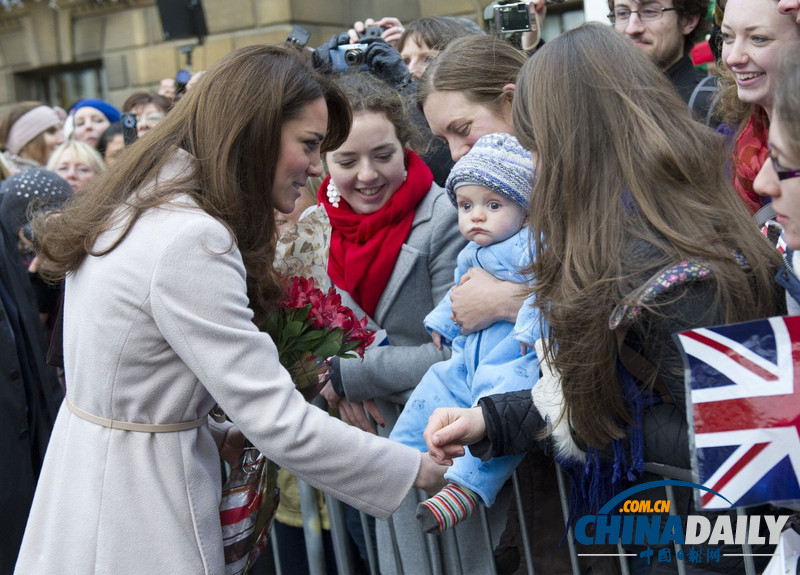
[168,260]
[629,188]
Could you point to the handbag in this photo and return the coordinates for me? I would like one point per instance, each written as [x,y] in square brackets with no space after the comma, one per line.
[249,500]
[250,494]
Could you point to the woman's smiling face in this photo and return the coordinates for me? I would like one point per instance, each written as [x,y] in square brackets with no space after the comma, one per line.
[370,166]
[752,32]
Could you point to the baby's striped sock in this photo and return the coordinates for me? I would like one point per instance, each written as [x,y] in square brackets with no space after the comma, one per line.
[450,506]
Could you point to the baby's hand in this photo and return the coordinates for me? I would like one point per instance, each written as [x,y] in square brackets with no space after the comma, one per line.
[437,339]
[523,348]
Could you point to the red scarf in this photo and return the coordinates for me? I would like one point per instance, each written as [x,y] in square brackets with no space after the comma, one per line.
[364,247]
[749,154]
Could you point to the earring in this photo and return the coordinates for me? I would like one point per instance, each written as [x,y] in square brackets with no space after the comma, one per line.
[333,193]
[405,175]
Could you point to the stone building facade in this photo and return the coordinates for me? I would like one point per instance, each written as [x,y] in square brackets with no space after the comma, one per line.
[116,48]
[60,51]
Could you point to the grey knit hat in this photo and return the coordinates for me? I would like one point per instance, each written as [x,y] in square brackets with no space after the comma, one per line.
[497,162]
[36,188]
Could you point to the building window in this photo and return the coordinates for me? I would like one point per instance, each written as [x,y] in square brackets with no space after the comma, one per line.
[64,85]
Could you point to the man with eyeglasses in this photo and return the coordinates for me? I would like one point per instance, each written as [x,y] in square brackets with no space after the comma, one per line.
[666,32]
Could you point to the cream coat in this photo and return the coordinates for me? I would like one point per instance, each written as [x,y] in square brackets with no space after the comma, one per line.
[157,331]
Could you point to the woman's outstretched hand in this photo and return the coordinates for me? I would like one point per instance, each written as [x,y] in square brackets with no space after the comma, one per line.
[450,429]
[430,476]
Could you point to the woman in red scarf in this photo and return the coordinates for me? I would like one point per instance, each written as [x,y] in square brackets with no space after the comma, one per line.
[752,32]
[394,242]
[394,239]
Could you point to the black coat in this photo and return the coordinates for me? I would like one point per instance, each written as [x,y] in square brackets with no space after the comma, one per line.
[685,77]
[30,395]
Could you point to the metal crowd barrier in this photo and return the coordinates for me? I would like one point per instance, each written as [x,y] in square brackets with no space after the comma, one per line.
[435,561]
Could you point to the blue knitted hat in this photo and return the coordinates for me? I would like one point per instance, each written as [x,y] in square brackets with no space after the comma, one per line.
[497,162]
[109,111]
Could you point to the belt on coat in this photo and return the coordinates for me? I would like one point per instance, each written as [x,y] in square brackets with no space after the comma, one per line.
[128,426]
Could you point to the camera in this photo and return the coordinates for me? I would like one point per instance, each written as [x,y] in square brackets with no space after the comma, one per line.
[512,17]
[298,36]
[129,133]
[372,32]
[348,56]
[508,16]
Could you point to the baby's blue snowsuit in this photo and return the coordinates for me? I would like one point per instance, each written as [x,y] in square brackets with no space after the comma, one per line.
[483,363]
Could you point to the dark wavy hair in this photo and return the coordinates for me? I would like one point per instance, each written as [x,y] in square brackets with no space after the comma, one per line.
[367,93]
[437,32]
[687,9]
[230,123]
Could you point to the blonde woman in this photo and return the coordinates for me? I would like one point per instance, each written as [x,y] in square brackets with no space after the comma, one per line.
[76,162]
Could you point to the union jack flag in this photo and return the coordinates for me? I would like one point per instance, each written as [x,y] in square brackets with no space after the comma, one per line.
[743,384]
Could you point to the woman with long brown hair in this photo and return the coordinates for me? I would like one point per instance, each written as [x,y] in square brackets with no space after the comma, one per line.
[629,188]
[168,259]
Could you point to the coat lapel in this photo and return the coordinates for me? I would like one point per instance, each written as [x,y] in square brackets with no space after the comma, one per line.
[406,261]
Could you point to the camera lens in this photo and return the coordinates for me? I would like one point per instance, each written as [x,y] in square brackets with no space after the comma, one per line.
[354,57]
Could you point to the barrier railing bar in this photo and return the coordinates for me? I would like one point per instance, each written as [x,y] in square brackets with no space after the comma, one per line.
[344,561]
[669,471]
[372,559]
[275,556]
[678,546]
[487,535]
[398,564]
[312,528]
[523,524]
[573,554]
[623,563]
[434,563]
[747,549]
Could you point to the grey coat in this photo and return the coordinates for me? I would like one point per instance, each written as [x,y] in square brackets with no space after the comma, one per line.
[422,276]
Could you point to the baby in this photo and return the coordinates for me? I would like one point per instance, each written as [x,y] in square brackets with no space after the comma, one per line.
[491,187]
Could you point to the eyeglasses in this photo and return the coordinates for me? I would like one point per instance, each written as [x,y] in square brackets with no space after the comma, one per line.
[783,173]
[649,12]
[150,119]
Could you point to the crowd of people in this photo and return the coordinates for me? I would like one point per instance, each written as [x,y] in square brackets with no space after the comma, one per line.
[489,205]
